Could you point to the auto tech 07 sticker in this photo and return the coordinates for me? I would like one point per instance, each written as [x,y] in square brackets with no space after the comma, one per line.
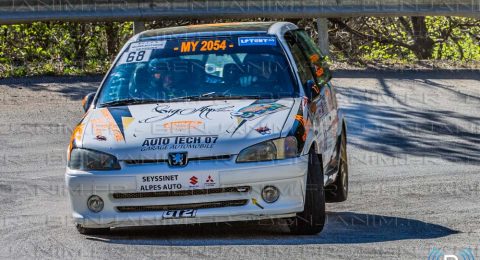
[179,142]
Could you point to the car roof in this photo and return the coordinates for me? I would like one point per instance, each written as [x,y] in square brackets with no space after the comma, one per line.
[210,29]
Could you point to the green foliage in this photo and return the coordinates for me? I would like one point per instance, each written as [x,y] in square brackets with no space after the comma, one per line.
[54,48]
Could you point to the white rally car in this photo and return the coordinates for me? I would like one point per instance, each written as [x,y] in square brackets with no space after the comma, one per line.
[210,123]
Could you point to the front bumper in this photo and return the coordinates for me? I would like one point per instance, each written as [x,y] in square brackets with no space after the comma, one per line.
[289,176]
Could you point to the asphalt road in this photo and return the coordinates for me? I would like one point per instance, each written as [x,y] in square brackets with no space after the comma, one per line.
[414,159]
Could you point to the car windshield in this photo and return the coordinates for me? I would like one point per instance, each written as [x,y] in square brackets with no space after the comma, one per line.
[232,67]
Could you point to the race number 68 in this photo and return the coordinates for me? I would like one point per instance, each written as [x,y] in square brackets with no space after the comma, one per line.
[135,56]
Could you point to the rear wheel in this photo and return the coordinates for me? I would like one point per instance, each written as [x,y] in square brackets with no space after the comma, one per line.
[92,231]
[312,219]
[338,191]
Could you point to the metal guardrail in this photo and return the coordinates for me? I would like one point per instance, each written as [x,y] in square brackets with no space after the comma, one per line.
[25,11]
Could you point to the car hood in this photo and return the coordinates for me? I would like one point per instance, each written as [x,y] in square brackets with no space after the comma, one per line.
[201,128]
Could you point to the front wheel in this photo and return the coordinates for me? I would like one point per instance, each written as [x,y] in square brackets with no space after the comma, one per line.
[312,219]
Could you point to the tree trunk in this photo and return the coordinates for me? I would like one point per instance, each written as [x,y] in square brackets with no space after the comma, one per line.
[80,43]
[112,39]
[423,44]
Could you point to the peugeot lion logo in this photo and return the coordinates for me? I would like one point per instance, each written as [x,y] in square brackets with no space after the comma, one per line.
[177,159]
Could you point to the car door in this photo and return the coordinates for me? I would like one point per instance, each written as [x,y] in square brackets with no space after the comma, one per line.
[318,94]
[329,109]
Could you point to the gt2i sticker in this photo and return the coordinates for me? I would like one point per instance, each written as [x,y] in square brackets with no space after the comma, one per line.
[165,111]
[183,213]
[257,110]
[179,142]
[257,41]
[135,56]
[203,46]
[150,45]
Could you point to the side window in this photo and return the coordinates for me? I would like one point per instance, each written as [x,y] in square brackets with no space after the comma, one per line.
[303,66]
[315,56]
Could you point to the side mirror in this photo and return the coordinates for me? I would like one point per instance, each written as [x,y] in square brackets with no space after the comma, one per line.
[87,101]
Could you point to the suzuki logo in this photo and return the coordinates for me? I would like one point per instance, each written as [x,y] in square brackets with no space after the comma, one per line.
[177,159]
[193,180]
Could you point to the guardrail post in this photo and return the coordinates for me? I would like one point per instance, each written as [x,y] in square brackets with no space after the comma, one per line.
[322,29]
[138,27]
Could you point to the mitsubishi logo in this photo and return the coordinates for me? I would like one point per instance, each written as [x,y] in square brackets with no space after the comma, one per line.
[177,159]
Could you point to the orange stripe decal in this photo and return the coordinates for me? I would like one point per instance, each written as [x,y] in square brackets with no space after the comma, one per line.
[112,125]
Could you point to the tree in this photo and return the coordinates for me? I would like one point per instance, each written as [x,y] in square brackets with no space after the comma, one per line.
[399,37]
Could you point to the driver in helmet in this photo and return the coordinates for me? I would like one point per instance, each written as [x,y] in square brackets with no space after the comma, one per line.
[161,78]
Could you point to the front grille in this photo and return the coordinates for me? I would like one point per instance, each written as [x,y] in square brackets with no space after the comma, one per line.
[206,158]
[138,195]
[204,205]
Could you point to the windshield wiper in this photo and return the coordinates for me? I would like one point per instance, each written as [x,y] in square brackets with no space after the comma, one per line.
[130,101]
[214,95]
[192,97]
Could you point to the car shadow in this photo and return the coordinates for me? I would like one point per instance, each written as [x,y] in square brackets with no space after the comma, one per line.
[340,228]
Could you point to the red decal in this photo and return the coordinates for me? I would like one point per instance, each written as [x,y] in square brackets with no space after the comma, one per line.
[193,180]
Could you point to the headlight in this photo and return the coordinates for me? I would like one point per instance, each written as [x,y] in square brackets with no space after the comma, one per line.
[277,149]
[89,160]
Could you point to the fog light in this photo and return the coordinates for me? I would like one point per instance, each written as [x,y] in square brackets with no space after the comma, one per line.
[270,194]
[95,203]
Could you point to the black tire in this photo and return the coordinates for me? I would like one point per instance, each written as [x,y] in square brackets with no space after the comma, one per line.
[92,231]
[312,219]
[338,192]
